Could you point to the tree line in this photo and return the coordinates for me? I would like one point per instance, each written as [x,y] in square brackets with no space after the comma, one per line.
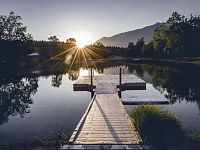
[16,44]
[177,37]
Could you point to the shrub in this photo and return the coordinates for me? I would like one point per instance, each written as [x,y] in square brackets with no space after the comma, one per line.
[158,128]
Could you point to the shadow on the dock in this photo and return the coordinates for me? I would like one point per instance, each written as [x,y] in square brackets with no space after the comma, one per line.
[108,123]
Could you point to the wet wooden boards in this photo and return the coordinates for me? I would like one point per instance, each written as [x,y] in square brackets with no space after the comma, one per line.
[105,121]
[129,82]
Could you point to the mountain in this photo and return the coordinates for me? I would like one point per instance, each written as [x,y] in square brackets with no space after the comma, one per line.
[122,39]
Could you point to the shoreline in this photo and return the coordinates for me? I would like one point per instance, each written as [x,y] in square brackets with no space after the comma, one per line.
[194,61]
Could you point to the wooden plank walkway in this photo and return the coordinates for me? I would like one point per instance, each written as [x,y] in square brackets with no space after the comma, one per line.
[106,120]
[129,82]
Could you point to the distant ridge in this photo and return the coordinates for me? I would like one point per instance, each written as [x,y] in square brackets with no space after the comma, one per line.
[122,39]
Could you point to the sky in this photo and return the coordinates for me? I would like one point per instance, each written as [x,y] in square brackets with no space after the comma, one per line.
[97,18]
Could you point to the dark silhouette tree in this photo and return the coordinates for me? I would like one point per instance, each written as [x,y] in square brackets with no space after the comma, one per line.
[130,45]
[131,49]
[178,37]
[53,39]
[71,41]
[56,80]
[12,29]
[15,43]
[74,74]
[15,97]
[99,44]
[148,50]
[139,46]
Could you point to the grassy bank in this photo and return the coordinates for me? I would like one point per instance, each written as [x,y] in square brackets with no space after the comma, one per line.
[186,60]
[162,129]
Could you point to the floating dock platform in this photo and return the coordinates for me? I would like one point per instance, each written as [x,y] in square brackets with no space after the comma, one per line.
[128,82]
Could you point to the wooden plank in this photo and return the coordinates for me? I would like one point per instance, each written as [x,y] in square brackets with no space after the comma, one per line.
[106,88]
[105,131]
[103,121]
[107,146]
[109,79]
[107,121]
[107,140]
[129,82]
[99,142]
[78,127]
[107,135]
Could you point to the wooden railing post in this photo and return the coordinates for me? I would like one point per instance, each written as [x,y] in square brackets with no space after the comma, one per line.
[120,81]
[120,77]
[91,78]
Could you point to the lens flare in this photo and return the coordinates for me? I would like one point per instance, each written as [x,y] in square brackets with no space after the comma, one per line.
[82,38]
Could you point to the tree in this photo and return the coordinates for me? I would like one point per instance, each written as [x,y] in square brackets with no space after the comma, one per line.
[53,39]
[138,47]
[148,50]
[159,38]
[15,43]
[130,45]
[56,80]
[131,50]
[12,29]
[71,41]
[99,44]
[16,97]
[178,37]
[176,18]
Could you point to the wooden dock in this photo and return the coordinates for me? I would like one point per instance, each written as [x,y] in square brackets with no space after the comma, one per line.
[106,120]
[138,101]
[129,82]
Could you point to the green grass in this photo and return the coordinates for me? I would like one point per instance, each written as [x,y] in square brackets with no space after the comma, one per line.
[162,129]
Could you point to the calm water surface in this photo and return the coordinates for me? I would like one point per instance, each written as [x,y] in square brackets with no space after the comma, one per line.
[34,107]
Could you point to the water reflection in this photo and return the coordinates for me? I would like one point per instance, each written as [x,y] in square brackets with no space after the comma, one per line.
[176,82]
[74,74]
[15,97]
[56,80]
[19,89]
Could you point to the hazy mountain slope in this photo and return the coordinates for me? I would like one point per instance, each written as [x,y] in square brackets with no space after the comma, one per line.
[122,39]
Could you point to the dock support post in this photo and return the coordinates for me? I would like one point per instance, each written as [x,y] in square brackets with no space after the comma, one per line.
[120,81]
[91,78]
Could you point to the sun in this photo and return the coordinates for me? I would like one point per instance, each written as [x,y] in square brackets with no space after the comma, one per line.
[81,44]
[83,72]
[82,38]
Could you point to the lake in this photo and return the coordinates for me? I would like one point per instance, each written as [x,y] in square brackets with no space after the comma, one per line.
[34,104]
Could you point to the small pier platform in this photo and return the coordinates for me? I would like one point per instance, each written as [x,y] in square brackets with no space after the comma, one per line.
[138,101]
[128,82]
[105,120]
[106,124]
